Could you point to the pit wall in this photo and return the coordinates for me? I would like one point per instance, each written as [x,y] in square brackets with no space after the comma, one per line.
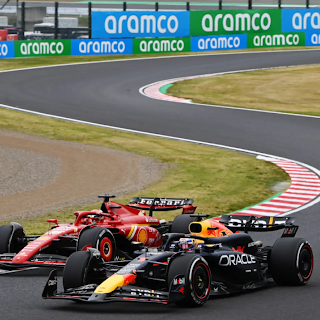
[186,31]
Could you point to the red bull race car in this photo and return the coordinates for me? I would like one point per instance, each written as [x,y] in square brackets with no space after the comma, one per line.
[111,230]
[215,258]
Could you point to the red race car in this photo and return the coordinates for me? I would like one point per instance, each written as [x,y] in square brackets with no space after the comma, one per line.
[114,230]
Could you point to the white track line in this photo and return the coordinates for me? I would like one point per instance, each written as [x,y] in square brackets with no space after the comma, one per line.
[298,173]
[267,157]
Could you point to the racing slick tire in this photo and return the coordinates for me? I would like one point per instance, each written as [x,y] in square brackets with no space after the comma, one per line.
[76,270]
[291,261]
[181,223]
[98,238]
[197,279]
[9,235]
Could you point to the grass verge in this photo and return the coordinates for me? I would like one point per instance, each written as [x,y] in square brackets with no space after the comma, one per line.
[290,90]
[220,181]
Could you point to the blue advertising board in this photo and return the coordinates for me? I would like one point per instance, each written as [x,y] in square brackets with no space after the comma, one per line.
[294,20]
[95,47]
[140,24]
[6,49]
[211,43]
[312,38]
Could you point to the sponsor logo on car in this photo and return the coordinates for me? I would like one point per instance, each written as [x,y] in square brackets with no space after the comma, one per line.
[234,260]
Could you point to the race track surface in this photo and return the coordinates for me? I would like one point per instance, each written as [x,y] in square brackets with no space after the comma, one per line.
[108,93]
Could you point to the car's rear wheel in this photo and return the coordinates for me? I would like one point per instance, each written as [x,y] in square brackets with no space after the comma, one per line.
[181,223]
[197,277]
[5,236]
[76,270]
[12,238]
[291,261]
[99,238]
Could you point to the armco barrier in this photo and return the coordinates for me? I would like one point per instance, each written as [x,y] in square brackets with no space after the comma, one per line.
[210,31]
[140,24]
[81,47]
[157,45]
[276,40]
[42,48]
[312,39]
[6,49]
[212,43]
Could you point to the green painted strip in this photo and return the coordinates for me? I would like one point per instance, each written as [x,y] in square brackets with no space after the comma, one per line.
[165,88]
[276,195]
[197,4]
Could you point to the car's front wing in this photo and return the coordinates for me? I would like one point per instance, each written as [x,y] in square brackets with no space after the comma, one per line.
[129,294]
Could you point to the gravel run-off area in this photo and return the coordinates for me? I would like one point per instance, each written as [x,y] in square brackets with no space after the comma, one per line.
[39,175]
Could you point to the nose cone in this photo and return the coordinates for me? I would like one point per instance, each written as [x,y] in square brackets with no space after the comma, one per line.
[115,281]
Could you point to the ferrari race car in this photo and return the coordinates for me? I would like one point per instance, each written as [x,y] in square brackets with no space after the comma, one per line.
[210,260]
[111,230]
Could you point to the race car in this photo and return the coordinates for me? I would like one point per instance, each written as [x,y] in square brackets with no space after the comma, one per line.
[111,230]
[210,260]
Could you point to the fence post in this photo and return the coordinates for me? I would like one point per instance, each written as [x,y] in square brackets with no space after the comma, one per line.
[307,4]
[89,19]
[220,4]
[23,19]
[157,6]
[17,7]
[56,21]
[279,4]
[188,6]
[124,6]
[249,4]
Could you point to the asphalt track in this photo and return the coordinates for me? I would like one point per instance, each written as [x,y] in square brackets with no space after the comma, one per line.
[108,93]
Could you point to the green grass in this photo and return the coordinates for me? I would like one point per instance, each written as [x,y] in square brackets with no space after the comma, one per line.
[290,90]
[220,181]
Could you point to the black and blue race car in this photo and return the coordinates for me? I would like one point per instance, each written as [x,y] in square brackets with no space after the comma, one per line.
[215,258]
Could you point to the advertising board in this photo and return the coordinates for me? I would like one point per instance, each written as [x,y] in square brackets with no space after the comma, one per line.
[140,24]
[234,22]
[42,48]
[312,39]
[295,20]
[211,43]
[157,45]
[6,49]
[286,39]
[81,47]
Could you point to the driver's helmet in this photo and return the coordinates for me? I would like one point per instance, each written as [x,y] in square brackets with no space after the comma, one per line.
[186,244]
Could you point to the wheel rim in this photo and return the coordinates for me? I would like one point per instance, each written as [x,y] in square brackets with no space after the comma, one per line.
[305,262]
[201,281]
[106,249]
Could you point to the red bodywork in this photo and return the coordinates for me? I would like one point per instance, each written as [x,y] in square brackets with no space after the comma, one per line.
[130,221]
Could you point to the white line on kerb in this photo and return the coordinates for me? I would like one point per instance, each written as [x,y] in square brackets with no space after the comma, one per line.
[257,154]
[261,156]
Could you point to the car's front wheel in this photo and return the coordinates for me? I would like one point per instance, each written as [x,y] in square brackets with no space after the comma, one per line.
[197,278]
[76,270]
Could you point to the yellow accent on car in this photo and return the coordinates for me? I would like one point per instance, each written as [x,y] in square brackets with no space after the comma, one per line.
[110,284]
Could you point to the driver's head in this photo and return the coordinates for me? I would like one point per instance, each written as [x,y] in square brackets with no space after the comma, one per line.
[186,243]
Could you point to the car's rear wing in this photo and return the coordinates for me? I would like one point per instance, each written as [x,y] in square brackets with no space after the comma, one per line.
[253,223]
[162,204]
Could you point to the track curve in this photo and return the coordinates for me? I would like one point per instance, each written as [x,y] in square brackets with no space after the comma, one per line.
[107,93]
